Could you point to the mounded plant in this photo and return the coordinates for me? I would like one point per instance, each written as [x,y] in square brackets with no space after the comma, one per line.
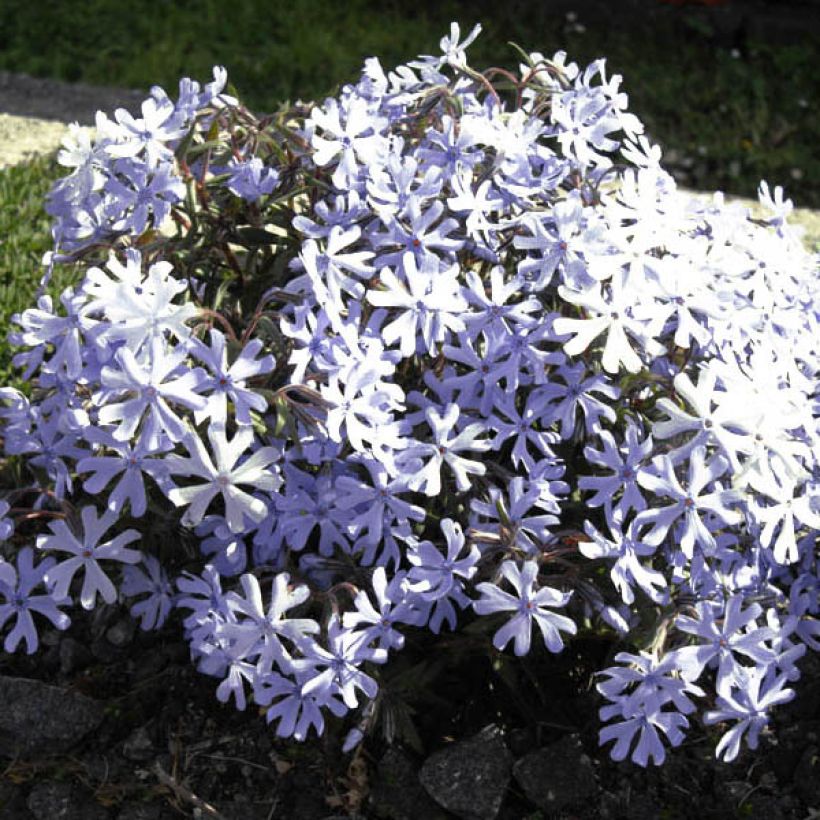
[444,353]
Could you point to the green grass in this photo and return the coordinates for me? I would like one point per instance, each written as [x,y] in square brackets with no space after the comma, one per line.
[24,238]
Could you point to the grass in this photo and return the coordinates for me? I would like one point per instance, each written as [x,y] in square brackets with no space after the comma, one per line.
[24,238]
[728,111]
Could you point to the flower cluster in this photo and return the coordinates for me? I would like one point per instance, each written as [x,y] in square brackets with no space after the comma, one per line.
[430,352]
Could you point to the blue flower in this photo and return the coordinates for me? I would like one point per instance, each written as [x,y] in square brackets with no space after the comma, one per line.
[250,179]
[16,587]
[86,553]
[530,604]
[747,702]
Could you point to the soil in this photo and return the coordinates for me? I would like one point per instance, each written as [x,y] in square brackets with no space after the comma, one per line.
[161,745]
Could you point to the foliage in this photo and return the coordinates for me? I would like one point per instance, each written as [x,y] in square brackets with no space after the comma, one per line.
[24,238]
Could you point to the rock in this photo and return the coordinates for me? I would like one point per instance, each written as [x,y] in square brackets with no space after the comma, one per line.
[398,794]
[38,718]
[13,803]
[557,776]
[469,778]
[61,801]
[138,746]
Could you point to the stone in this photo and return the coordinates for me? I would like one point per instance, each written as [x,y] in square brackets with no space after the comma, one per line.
[397,793]
[470,778]
[138,746]
[39,718]
[62,801]
[557,776]
[13,802]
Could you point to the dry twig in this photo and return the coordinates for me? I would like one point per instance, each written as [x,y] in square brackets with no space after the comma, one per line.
[184,793]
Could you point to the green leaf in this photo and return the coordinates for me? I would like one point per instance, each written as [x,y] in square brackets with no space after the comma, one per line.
[185,143]
[249,235]
[221,293]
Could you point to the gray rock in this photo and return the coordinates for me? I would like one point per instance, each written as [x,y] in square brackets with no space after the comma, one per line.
[398,794]
[36,717]
[470,778]
[557,776]
[13,803]
[138,746]
[62,801]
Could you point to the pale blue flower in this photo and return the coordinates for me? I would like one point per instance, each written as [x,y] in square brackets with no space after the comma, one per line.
[87,552]
[530,603]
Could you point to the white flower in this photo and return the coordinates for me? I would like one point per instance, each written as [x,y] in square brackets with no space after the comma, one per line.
[614,317]
[783,511]
[733,412]
[224,477]
[442,449]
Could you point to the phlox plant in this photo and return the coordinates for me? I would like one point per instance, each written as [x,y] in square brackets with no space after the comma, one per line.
[445,350]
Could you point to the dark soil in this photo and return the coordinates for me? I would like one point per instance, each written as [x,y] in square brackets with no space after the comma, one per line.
[165,747]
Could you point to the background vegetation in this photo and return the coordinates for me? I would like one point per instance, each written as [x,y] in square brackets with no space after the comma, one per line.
[729,107]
